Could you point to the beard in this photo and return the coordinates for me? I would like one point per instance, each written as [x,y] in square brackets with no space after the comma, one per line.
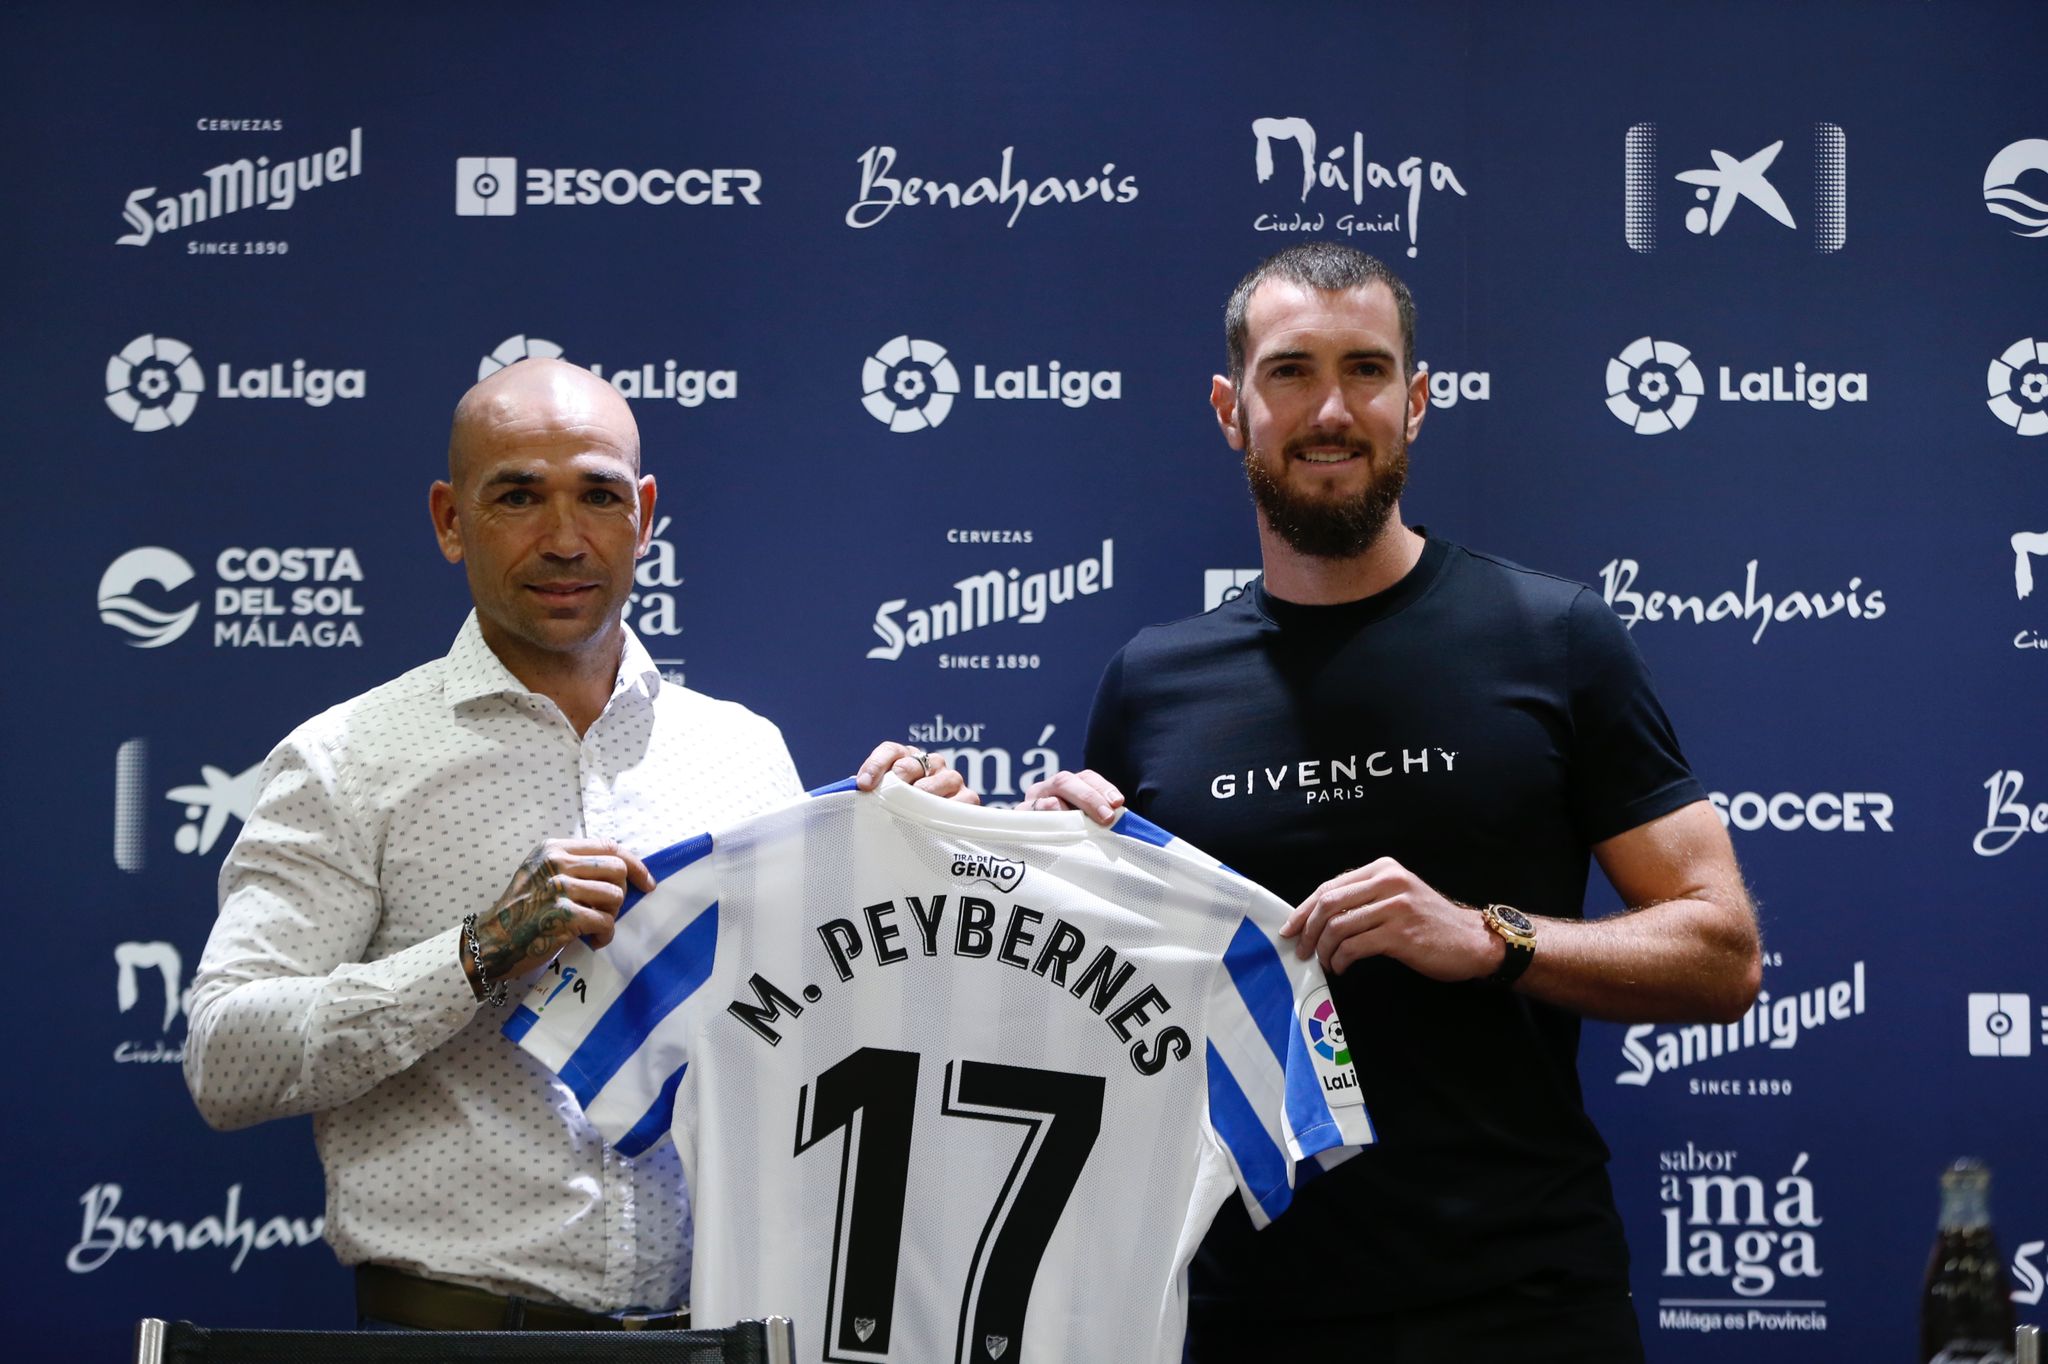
[1326,527]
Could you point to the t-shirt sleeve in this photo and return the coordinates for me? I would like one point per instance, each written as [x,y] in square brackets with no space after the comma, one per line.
[1274,1099]
[613,1023]
[1106,749]
[1626,766]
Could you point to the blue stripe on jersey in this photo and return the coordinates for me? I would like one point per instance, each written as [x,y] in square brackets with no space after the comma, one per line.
[1262,982]
[1134,825]
[1261,1164]
[1308,1111]
[520,1023]
[665,864]
[850,784]
[656,1119]
[671,976]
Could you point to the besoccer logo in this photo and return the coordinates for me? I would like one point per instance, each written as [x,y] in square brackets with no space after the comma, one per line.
[512,350]
[1326,1034]
[151,628]
[2000,1025]
[1653,386]
[2018,381]
[486,186]
[154,382]
[909,385]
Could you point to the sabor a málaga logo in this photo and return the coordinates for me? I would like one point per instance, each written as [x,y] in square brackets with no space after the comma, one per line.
[2018,382]
[154,382]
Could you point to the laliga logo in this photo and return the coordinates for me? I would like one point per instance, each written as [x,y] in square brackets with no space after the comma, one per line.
[908,385]
[512,350]
[688,387]
[2028,413]
[2002,193]
[150,564]
[154,382]
[1654,386]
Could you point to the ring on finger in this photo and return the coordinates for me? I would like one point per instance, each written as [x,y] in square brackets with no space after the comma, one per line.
[923,762]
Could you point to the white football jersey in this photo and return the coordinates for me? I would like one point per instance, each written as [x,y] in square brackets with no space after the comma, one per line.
[953,1084]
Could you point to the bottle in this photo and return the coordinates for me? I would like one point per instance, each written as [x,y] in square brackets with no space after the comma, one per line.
[1966,1312]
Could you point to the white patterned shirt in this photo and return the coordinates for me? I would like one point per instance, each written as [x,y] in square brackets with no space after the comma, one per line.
[333,984]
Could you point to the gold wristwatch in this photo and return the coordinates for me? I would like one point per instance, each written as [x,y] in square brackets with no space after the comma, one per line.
[1515,929]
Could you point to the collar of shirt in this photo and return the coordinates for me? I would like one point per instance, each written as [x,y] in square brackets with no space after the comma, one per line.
[474,671]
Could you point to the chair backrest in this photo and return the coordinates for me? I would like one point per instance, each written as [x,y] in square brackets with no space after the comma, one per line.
[772,1341]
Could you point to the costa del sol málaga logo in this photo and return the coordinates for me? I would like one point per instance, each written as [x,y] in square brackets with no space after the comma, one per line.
[1654,386]
[154,382]
[149,627]
[2018,381]
[1326,1034]
[512,350]
[2002,192]
[909,385]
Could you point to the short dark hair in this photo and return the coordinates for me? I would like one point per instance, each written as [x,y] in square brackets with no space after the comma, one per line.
[1329,266]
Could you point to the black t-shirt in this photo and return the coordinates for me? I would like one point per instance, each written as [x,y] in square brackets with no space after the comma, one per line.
[1484,725]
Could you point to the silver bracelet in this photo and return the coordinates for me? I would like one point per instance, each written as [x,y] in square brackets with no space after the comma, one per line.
[487,992]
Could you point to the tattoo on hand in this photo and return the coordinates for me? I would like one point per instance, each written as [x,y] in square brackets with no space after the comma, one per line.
[530,922]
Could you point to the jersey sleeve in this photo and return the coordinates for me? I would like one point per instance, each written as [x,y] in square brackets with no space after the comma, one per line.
[1281,1086]
[614,1023]
[1626,767]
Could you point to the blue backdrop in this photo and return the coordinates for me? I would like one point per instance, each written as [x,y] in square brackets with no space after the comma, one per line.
[257,252]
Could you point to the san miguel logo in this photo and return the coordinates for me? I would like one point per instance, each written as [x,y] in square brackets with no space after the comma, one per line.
[1004,873]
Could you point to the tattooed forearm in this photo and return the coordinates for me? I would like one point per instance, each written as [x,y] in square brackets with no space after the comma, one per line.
[530,922]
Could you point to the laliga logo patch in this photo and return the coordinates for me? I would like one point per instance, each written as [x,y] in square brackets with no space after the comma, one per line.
[1324,1032]
[1654,386]
[909,385]
[1004,873]
[154,382]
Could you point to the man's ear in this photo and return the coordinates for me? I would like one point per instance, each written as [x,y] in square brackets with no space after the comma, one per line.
[646,493]
[1418,401]
[1223,398]
[441,506]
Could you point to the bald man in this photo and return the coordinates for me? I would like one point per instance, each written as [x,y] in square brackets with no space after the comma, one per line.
[419,850]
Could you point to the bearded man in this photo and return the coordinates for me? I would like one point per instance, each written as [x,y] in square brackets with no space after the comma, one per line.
[1420,745]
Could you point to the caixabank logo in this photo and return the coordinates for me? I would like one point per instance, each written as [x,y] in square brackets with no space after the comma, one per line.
[910,384]
[2018,384]
[262,597]
[1655,386]
[155,382]
[1741,191]
[665,380]
[491,187]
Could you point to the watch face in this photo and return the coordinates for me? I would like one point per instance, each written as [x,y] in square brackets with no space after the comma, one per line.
[1514,919]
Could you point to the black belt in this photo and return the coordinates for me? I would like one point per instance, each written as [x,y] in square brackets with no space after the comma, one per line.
[430,1305]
